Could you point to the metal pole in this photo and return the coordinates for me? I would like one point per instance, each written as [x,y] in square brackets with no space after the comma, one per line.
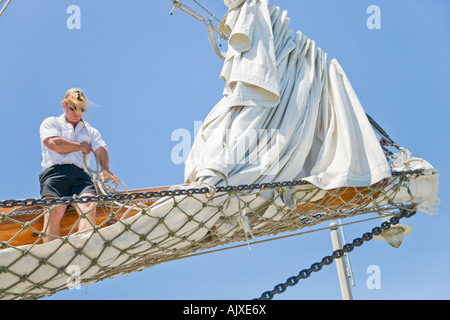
[347,256]
[340,264]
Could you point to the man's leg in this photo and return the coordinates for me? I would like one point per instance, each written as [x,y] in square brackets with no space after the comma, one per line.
[89,210]
[52,221]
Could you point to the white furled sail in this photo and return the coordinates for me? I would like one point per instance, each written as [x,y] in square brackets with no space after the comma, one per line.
[286,114]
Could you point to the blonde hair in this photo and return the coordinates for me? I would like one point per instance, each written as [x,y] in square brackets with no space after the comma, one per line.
[76,99]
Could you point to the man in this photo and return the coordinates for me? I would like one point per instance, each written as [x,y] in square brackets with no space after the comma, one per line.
[67,142]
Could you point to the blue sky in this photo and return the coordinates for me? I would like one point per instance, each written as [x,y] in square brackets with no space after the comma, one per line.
[150,74]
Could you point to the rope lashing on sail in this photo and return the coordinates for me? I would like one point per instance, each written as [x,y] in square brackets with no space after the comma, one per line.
[210,27]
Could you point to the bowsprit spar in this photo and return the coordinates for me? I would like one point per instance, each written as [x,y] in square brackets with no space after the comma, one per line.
[283,181]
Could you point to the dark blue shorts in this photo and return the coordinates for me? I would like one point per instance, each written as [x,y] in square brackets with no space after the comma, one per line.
[65,180]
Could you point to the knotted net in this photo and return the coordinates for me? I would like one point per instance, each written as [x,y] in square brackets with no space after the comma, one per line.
[136,230]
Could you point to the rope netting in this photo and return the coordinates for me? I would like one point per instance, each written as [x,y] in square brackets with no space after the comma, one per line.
[137,230]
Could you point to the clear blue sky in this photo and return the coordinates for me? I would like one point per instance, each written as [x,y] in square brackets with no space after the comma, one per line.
[151,73]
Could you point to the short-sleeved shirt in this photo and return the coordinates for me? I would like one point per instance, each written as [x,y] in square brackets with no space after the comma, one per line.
[59,127]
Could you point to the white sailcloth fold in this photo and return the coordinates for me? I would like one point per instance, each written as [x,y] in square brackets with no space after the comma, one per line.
[286,113]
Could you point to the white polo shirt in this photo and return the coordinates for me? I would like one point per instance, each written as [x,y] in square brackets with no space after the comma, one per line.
[59,127]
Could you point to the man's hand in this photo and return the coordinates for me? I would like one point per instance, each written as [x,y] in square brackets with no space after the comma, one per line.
[62,145]
[106,174]
[103,159]
[85,147]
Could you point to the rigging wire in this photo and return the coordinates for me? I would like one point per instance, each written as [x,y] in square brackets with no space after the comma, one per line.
[206,10]
[179,5]
[278,238]
[4,6]
[381,132]
[210,27]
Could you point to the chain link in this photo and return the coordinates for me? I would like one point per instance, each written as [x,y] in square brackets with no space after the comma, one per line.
[160,194]
[327,260]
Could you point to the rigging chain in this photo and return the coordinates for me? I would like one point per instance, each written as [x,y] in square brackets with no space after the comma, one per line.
[327,260]
[164,193]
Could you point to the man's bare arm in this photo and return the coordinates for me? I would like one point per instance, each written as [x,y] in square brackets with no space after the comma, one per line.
[103,160]
[62,145]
